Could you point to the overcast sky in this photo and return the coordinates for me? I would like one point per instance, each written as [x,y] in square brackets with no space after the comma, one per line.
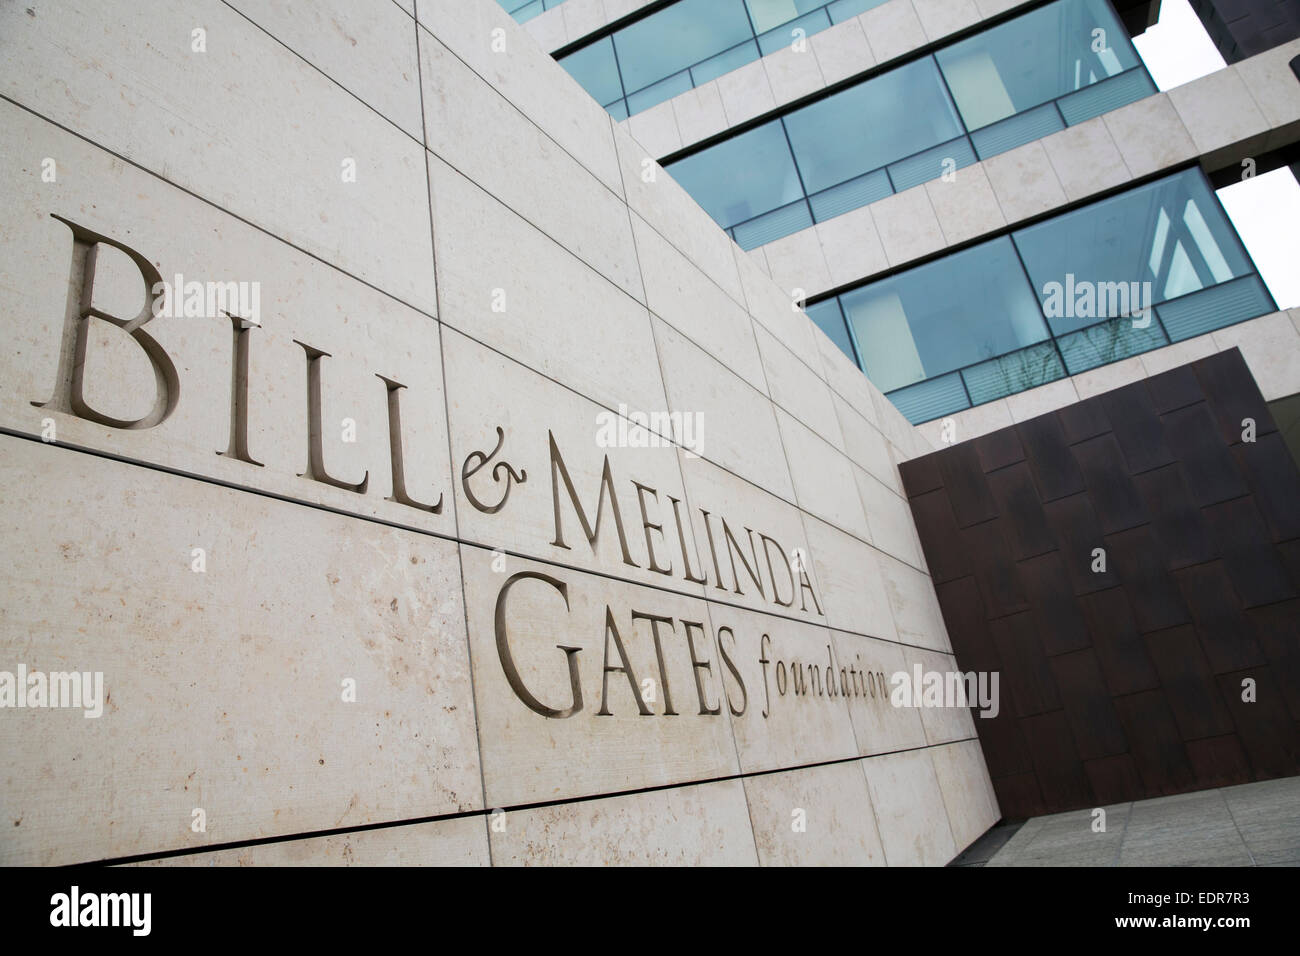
[1265,209]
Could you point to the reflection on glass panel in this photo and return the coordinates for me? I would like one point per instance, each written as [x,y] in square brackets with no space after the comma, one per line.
[741,177]
[842,10]
[595,70]
[656,93]
[1008,374]
[1119,256]
[724,62]
[827,316]
[960,310]
[867,126]
[679,36]
[931,399]
[1109,342]
[1034,58]
[785,36]
[1215,308]
[767,14]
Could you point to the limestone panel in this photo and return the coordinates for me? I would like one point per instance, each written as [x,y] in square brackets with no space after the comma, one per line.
[571,697]
[815,816]
[461,841]
[280,668]
[213,111]
[303,400]
[705,825]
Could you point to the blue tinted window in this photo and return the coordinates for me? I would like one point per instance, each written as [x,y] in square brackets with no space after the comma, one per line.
[679,36]
[595,70]
[827,316]
[767,14]
[741,177]
[867,126]
[957,311]
[1035,58]
[1112,258]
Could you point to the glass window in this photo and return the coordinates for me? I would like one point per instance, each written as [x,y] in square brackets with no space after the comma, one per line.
[872,124]
[741,177]
[595,70]
[965,308]
[1121,255]
[827,317]
[1027,61]
[767,14]
[677,37]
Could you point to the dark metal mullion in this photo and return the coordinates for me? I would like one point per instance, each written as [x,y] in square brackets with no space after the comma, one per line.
[619,67]
[797,171]
[1051,333]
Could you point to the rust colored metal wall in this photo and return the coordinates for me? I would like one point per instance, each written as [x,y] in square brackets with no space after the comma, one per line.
[1125,683]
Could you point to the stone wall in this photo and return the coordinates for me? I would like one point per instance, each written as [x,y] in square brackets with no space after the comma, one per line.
[428,478]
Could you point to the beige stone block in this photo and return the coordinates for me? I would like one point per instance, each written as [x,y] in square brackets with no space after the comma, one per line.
[879,726]
[367,47]
[658,199]
[746,93]
[945,722]
[582,17]
[910,811]
[890,520]
[478,132]
[548,29]
[990,8]
[1086,159]
[461,841]
[892,29]
[865,446]
[1217,110]
[842,51]
[776,311]
[912,600]
[553,724]
[489,391]
[823,477]
[798,389]
[699,113]
[815,816]
[791,717]
[939,18]
[704,825]
[907,224]
[1269,345]
[852,588]
[851,247]
[797,263]
[222,689]
[1271,83]
[751,548]
[656,129]
[1038,401]
[792,72]
[69,64]
[688,299]
[966,206]
[1024,182]
[739,422]
[1149,134]
[199,412]
[1108,377]
[967,790]
[528,78]
[514,288]
[846,379]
